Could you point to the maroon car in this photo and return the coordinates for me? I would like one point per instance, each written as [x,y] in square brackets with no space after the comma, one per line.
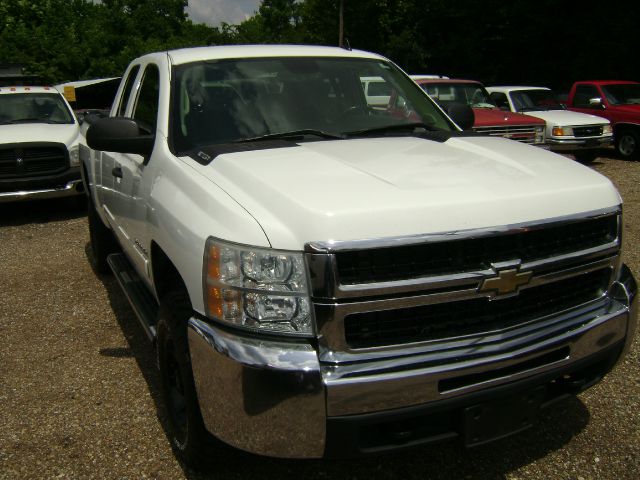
[489,118]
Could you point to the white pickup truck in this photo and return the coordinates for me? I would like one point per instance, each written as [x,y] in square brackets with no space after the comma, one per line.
[39,138]
[325,278]
[580,134]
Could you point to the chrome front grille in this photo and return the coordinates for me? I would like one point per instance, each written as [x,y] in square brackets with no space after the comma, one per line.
[380,299]
[521,133]
[469,317]
[472,254]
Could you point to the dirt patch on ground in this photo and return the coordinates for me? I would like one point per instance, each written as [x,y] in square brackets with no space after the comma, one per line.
[79,390]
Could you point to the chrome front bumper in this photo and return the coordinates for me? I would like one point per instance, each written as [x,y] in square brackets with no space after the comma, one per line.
[74,187]
[562,145]
[259,395]
[275,397]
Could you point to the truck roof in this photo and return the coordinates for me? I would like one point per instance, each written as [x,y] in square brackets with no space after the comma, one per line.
[510,88]
[444,80]
[607,82]
[27,89]
[188,55]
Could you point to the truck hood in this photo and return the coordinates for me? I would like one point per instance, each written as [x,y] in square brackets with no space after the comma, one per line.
[388,187]
[40,132]
[564,118]
[489,117]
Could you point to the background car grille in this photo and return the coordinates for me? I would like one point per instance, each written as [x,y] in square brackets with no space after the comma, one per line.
[469,317]
[36,160]
[588,131]
[525,134]
[441,258]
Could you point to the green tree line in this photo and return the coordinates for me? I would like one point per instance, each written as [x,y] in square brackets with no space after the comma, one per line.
[543,42]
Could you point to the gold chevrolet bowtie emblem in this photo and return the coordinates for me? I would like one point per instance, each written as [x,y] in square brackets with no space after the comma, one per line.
[507,281]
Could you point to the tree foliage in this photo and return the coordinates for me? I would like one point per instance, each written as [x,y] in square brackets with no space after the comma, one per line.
[62,40]
[546,42]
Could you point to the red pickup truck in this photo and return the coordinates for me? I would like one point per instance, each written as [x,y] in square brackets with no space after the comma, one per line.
[616,100]
[489,119]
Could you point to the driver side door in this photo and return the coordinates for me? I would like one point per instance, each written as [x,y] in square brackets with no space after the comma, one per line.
[130,199]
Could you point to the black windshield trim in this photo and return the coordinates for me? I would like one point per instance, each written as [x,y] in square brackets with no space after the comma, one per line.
[206,154]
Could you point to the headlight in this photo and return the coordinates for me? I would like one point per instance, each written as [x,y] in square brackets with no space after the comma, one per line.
[74,156]
[539,138]
[562,131]
[606,129]
[257,288]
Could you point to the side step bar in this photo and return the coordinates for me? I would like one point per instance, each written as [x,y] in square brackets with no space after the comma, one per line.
[142,301]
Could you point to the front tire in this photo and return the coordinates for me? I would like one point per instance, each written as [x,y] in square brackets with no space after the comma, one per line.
[186,427]
[628,144]
[587,156]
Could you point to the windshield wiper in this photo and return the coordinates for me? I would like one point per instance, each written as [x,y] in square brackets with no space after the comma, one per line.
[293,134]
[397,127]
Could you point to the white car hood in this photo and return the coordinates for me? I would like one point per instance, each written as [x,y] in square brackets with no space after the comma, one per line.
[566,118]
[388,187]
[40,132]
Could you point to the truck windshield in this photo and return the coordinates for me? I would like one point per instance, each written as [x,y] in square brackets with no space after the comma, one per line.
[473,94]
[623,93]
[234,100]
[33,108]
[531,100]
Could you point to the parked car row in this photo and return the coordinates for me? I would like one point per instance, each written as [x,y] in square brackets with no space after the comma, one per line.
[596,113]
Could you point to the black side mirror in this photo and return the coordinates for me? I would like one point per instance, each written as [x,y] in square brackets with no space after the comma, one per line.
[462,114]
[116,134]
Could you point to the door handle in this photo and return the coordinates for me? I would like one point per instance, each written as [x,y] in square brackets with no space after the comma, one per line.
[117,172]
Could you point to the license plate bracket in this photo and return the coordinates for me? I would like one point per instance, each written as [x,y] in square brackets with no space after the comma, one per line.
[485,422]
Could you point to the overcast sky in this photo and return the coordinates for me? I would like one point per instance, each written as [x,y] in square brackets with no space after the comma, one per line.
[214,12]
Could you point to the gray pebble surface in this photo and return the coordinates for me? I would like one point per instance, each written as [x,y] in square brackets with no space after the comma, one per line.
[79,392]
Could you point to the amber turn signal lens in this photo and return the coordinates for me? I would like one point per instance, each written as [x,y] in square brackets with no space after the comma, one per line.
[213,265]
[214,302]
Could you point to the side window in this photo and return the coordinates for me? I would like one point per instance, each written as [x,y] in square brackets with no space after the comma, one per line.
[146,109]
[126,93]
[583,94]
[501,100]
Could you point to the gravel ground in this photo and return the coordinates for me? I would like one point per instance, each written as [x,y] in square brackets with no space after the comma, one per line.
[79,394]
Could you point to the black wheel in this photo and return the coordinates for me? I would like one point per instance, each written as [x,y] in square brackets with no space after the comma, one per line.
[586,156]
[186,428]
[628,143]
[103,243]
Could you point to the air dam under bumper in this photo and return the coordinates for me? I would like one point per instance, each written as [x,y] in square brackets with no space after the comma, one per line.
[272,397]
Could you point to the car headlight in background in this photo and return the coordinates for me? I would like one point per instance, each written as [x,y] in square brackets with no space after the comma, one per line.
[539,136]
[257,288]
[74,156]
[562,131]
[607,130]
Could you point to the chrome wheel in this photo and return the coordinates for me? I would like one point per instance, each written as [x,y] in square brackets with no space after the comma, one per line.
[628,144]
